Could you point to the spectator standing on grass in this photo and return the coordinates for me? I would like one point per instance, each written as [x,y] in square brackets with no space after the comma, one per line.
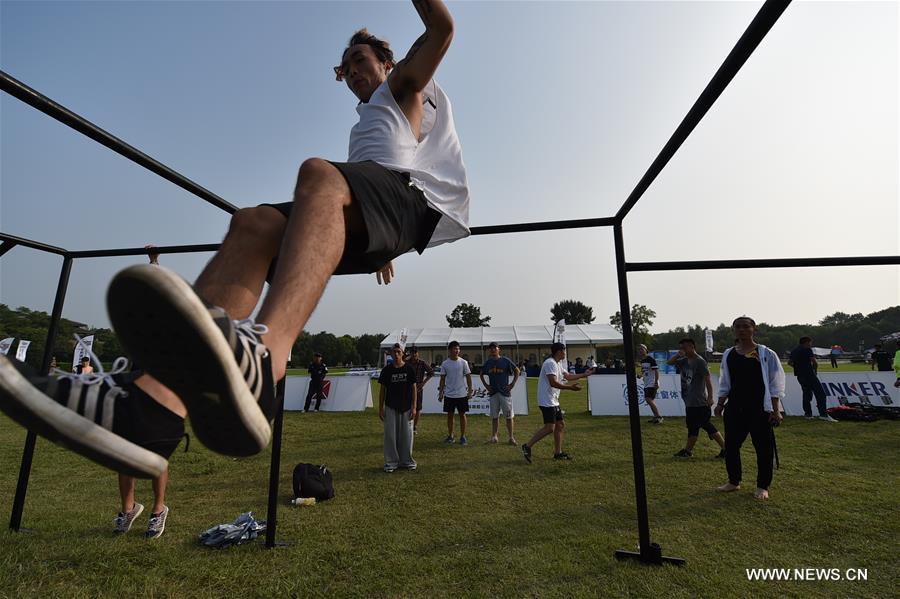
[881,359]
[805,369]
[424,372]
[650,376]
[455,390]
[85,366]
[697,393]
[397,410]
[835,352]
[751,385]
[498,370]
[317,371]
[550,384]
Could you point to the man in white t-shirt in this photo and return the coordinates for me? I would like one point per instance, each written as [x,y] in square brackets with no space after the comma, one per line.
[454,391]
[550,383]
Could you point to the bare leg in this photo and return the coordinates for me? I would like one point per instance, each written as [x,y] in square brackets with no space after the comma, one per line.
[463,421]
[718,438]
[159,491]
[495,424]
[558,431]
[450,424]
[691,441]
[509,428]
[234,278]
[311,250]
[653,408]
[126,491]
[540,434]
[161,394]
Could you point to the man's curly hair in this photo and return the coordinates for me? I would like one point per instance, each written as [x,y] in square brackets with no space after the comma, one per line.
[381,48]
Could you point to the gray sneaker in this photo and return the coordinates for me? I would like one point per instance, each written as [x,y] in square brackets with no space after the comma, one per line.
[123,522]
[463,440]
[449,440]
[157,524]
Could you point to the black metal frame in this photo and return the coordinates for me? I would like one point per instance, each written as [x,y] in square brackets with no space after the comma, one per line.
[649,552]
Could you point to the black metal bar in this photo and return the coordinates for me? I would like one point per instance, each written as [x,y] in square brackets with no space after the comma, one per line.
[6,246]
[15,519]
[756,31]
[35,245]
[544,226]
[169,249]
[765,263]
[275,466]
[62,114]
[650,553]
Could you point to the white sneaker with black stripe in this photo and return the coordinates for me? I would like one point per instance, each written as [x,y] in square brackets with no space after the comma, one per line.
[219,368]
[80,412]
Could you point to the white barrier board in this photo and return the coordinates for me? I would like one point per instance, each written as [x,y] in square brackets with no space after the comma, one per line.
[607,395]
[480,401]
[342,393]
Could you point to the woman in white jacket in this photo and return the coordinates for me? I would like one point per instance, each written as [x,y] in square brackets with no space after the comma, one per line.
[751,385]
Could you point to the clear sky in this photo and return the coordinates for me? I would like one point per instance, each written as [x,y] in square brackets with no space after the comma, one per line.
[560,107]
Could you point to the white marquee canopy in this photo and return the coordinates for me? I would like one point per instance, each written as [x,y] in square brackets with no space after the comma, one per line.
[576,334]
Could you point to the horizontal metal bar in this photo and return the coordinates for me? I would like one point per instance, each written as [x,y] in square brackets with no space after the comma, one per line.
[62,114]
[35,245]
[168,249]
[766,263]
[756,31]
[544,226]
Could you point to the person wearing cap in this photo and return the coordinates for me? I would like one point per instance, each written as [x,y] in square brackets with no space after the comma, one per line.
[397,410]
[317,371]
[498,370]
[550,384]
[424,372]
[650,374]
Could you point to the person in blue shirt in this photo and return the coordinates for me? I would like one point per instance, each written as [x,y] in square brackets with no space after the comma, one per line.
[498,370]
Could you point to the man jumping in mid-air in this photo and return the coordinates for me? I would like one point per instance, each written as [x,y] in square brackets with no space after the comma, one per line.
[403,187]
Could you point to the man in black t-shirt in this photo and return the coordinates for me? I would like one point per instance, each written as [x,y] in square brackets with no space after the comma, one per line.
[317,371]
[805,368]
[397,409]
[881,359]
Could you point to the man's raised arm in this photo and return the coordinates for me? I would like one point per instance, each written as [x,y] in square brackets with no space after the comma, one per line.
[413,73]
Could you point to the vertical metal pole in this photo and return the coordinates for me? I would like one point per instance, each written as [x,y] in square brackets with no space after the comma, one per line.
[649,552]
[275,466]
[637,450]
[15,520]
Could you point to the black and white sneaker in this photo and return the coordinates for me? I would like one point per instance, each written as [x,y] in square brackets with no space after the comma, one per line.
[86,413]
[683,453]
[526,453]
[561,456]
[218,367]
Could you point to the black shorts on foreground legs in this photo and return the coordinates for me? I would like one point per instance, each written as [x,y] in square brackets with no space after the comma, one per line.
[552,414]
[461,404]
[697,418]
[396,217]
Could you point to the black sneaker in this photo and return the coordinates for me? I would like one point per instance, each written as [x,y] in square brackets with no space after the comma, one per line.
[219,368]
[721,455]
[561,456]
[684,453]
[88,414]
[526,451]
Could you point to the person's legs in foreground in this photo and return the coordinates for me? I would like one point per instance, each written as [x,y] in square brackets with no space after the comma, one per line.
[449,407]
[650,398]
[463,421]
[761,436]
[806,387]
[391,438]
[736,431]
[558,429]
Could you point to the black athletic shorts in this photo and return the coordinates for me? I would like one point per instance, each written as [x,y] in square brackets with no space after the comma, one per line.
[650,392]
[551,414]
[461,404]
[396,216]
[697,418]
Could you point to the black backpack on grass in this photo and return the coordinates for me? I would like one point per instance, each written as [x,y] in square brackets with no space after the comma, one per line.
[313,481]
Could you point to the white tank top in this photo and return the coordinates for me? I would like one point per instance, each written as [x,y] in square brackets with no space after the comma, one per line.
[434,161]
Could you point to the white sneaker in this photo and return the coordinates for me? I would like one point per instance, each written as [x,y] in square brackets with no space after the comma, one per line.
[827,418]
[124,521]
[157,524]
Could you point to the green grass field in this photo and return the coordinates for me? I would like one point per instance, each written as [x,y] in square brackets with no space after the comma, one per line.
[472,521]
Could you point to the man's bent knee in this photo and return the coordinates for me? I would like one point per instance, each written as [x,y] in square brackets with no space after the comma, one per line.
[318,173]
[261,222]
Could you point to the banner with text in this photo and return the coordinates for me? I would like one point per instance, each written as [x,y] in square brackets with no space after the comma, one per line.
[342,393]
[6,344]
[479,403]
[82,349]
[607,394]
[22,350]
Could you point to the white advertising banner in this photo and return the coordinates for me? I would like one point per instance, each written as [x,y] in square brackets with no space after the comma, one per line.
[342,393]
[82,349]
[6,344]
[607,395]
[22,350]
[479,403]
